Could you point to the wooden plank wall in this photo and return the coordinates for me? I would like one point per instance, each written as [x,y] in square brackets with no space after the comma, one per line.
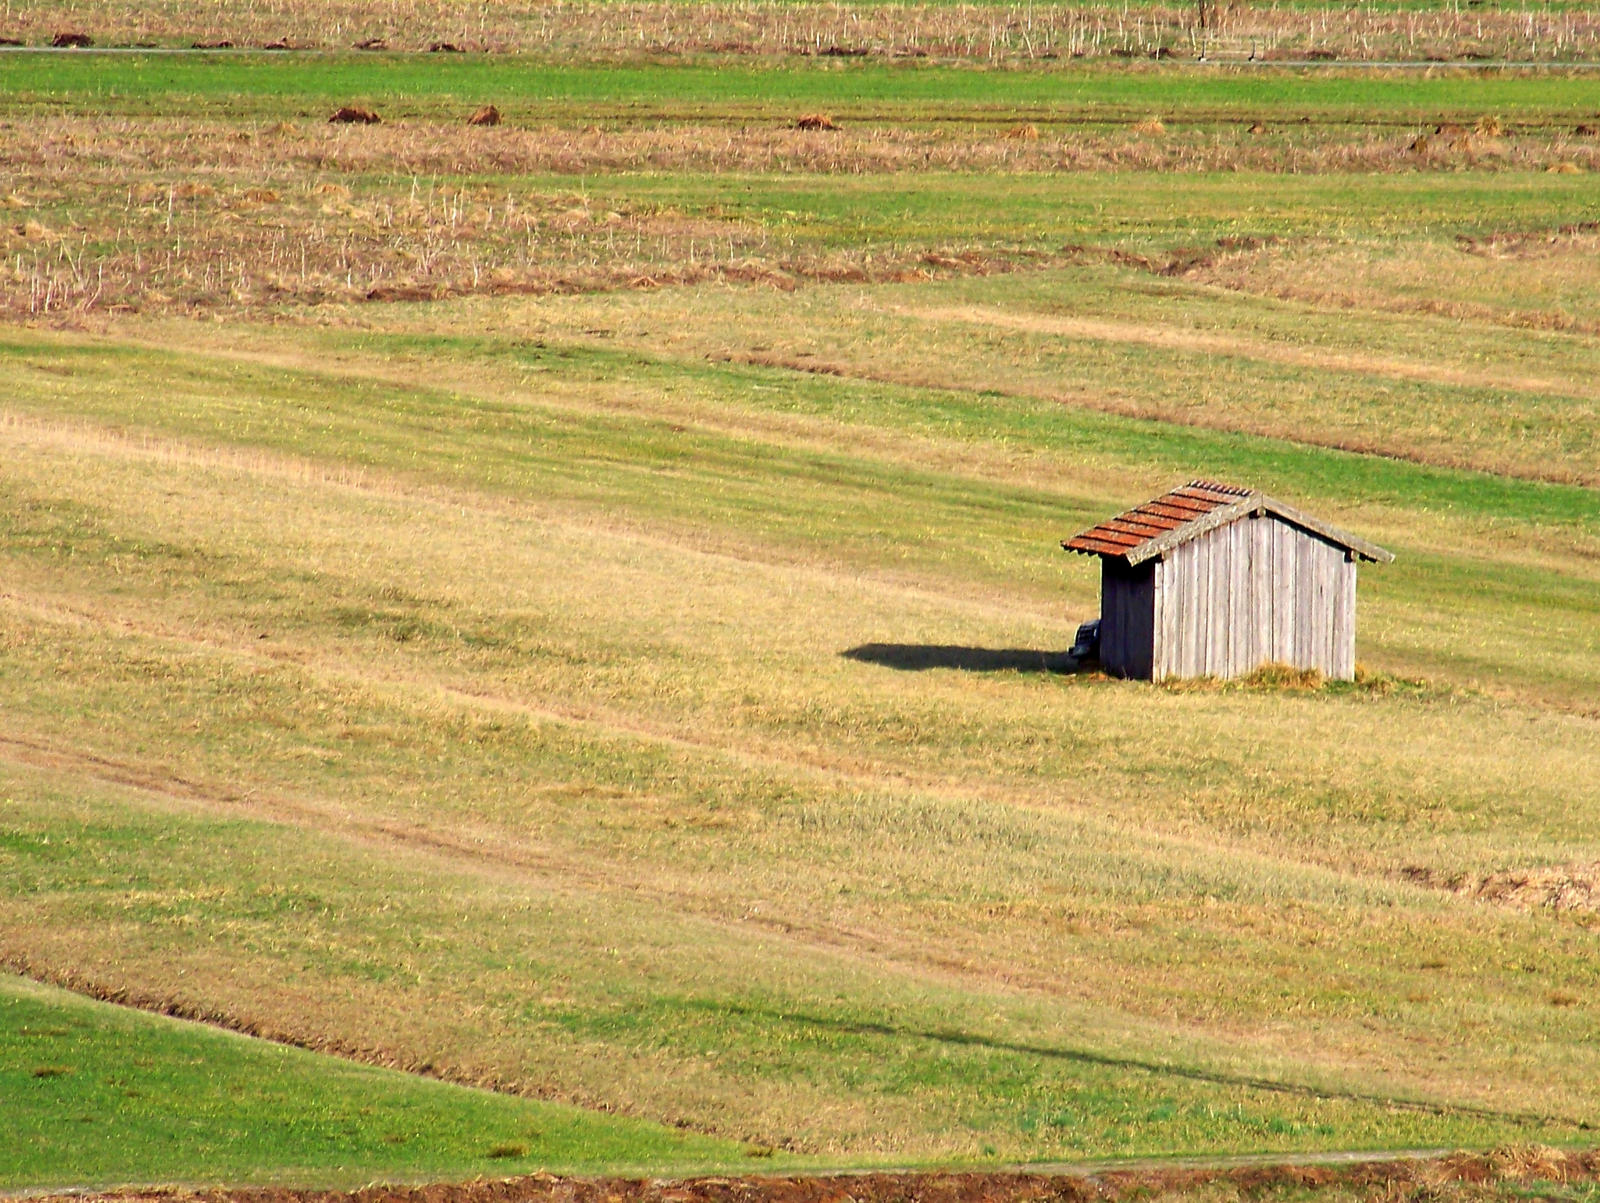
[1127,618]
[1254,592]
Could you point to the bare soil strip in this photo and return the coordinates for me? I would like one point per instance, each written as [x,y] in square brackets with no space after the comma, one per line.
[1379,1175]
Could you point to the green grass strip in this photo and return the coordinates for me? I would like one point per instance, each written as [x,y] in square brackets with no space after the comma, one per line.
[96,1095]
[414,80]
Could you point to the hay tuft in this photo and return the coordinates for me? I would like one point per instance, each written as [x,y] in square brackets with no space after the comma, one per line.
[354,115]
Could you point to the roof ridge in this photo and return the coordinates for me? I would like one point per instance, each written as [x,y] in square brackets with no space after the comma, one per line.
[1217,486]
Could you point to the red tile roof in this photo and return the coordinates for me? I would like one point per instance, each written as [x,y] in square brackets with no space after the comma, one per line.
[1190,511]
[1127,531]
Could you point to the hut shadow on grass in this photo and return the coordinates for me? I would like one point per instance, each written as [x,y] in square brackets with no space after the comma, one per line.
[917,657]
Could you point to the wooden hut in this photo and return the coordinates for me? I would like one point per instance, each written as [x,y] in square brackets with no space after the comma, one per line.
[1213,580]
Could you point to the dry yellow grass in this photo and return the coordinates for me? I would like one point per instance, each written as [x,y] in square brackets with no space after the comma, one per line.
[1537,279]
[1478,395]
[114,213]
[986,32]
[570,645]
[632,696]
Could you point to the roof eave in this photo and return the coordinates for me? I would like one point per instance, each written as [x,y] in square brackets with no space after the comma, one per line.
[1066,545]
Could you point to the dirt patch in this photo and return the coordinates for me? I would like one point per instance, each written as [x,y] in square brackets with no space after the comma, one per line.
[1472,1176]
[1482,138]
[1573,889]
[1581,237]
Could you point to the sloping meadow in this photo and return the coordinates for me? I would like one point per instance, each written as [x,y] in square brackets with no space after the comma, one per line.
[575,607]
[552,727]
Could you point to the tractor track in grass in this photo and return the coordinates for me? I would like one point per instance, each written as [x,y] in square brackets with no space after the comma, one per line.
[1224,343]
[1140,411]
[1215,343]
[551,870]
[484,853]
[486,846]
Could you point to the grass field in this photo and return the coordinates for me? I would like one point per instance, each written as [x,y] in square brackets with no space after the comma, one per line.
[250,198]
[573,622]
[910,91]
[119,1096]
[214,182]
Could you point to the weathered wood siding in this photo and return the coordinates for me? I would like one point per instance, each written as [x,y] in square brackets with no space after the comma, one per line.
[1254,592]
[1127,618]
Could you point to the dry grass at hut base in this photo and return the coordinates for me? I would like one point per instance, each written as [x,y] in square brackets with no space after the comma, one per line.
[568,610]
